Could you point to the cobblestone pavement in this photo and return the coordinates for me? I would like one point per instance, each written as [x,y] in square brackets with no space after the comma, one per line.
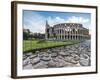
[66,56]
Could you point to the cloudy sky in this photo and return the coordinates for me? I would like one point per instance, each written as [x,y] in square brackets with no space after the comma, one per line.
[36,20]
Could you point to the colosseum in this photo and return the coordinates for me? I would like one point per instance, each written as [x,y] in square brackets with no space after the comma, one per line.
[66,31]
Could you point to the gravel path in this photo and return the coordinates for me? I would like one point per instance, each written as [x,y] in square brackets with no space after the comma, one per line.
[65,56]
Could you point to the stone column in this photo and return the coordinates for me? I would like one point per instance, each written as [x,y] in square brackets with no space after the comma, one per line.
[79,33]
[64,33]
[82,34]
[58,33]
[72,33]
[75,34]
[61,33]
[69,34]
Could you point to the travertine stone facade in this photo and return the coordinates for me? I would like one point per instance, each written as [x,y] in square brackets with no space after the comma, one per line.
[66,31]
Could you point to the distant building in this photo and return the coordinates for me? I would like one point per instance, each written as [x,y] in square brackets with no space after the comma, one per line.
[66,31]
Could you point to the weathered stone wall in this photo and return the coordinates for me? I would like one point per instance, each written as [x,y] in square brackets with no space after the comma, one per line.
[70,31]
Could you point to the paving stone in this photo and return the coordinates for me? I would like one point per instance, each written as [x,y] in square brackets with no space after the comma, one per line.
[41,54]
[24,57]
[63,53]
[37,52]
[46,58]
[28,54]
[26,61]
[29,66]
[33,56]
[60,63]
[84,62]
[35,60]
[54,55]
[46,54]
[51,63]
[65,56]
[40,65]
[49,52]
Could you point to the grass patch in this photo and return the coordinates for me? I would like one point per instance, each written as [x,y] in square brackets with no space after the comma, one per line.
[37,44]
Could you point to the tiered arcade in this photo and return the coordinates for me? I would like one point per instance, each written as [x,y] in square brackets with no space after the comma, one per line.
[66,31]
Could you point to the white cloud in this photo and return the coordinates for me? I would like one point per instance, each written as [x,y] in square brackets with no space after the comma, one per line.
[55,20]
[36,23]
[84,21]
[75,19]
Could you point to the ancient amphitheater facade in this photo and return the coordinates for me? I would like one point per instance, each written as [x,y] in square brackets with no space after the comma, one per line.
[66,31]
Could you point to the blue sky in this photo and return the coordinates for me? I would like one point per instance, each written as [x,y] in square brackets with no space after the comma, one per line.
[36,20]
